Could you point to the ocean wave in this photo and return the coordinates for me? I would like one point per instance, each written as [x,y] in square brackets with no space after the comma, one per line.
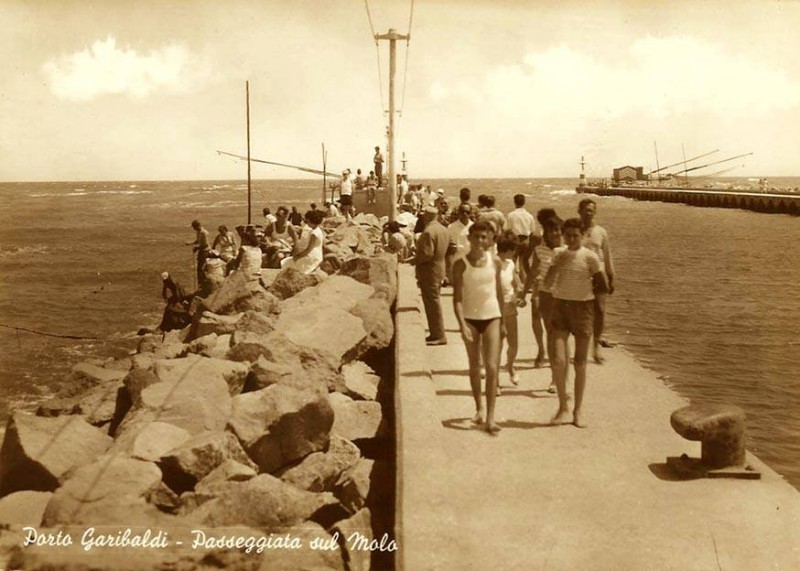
[562,192]
[14,251]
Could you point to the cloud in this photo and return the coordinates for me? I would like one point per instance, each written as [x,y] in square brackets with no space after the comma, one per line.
[106,69]
[656,77]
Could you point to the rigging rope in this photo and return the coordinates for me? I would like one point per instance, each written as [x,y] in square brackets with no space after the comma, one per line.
[377,52]
[49,334]
[405,67]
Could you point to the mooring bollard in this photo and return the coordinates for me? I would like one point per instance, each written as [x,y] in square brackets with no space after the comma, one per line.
[720,430]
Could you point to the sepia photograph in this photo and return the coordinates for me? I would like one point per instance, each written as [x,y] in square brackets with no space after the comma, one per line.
[399,285]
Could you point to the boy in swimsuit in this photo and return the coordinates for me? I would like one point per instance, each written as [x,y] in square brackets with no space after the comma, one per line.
[477,302]
[507,248]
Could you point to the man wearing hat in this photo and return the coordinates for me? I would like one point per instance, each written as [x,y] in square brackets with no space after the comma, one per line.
[430,271]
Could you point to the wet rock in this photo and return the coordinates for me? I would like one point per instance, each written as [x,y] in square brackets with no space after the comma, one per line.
[353,486]
[355,420]
[97,374]
[111,490]
[209,323]
[290,281]
[228,471]
[138,380]
[262,502]
[319,471]
[355,535]
[24,508]
[149,441]
[38,451]
[279,425]
[360,381]
[380,272]
[98,405]
[193,460]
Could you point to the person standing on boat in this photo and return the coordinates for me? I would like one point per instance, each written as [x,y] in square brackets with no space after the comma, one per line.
[346,195]
[596,239]
[430,269]
[477,303]
[201,246]
[574,275]
[378,160]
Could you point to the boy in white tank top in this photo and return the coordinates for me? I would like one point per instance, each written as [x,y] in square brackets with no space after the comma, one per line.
[477,302]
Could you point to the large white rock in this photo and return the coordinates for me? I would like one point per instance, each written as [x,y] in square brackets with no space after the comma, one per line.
[38,451]
[197,366]
[360,380]
[354,420]
[24,508]
[149,441]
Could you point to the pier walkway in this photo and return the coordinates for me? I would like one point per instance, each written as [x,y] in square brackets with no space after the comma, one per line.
[543,497]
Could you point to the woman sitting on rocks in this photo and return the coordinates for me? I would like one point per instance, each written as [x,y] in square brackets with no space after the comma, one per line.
[281,238]
[309,258]
[249,258]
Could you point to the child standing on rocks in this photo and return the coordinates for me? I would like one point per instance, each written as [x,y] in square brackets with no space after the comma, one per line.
[477,302]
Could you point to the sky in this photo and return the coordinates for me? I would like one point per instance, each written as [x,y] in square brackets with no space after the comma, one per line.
[145,90]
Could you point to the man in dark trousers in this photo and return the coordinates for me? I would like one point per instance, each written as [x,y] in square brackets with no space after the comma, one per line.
[430,270]
[378,161]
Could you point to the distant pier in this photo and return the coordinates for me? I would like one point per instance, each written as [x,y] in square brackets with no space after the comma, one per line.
[770,203]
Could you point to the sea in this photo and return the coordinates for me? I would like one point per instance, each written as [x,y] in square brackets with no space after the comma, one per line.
[705,297]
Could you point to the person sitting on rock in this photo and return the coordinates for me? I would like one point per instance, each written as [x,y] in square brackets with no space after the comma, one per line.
[281,238]
[225,244]
[175,305]
[214,273]
[250,256]
[309,258]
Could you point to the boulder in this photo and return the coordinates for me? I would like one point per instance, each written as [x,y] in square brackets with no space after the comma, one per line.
[247,347]
[99,404]
[195,402]
[97,374]
[308,559]
[260,300]
[202,345]
[111,490]
[354,237]
[149,441]
[337,291]
[279,425]
[279,361]
[355,533]
[353,486]
[138,380]
[380,272]
[239,293]
[208,323]
[367,219]
[262,502]
[24,508]
[355,420]
[328,329]
[38,451]
[268,276]
[360,381]
[256,322]
[142,361]
[164,499]
[333,222]
[194,459]
[193,367]
[220,348]
[228,471]
[291,281]
[376,318]
[319,471]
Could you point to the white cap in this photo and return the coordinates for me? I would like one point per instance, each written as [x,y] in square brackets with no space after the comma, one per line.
[440,191]
[165,275]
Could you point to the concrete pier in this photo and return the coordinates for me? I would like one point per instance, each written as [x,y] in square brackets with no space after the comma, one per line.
[562,498]
[771,203]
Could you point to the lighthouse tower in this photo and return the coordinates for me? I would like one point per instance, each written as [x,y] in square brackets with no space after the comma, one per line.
[582,180]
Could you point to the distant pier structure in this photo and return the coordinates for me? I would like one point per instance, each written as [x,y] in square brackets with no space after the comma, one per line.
[771,203]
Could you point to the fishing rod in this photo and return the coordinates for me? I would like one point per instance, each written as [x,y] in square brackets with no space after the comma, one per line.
[304,169]
[709,164]
[684,161]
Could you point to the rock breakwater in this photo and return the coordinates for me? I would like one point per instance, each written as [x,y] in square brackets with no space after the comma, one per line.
[268,415]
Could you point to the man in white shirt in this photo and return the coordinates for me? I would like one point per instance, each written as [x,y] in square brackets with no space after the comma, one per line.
[346,194]
[458,232]
[523,225]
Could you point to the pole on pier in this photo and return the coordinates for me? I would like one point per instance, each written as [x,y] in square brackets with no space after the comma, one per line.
[247,96]
[324,172]
[658,168]
[392,36]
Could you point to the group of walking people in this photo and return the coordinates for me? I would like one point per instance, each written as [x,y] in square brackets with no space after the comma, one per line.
[493,262]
